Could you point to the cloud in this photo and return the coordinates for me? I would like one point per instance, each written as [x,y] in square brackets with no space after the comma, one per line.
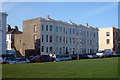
[6,6]
[99,10]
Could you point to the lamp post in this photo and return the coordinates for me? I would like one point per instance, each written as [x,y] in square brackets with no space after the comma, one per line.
[77,44]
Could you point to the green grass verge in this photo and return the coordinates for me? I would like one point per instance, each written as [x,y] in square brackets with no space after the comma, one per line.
[87,68]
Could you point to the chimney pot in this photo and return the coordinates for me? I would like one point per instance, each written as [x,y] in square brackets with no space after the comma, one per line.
[47,17]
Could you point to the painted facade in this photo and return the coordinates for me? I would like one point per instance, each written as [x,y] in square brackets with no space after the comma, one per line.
[3,21]
[59,37]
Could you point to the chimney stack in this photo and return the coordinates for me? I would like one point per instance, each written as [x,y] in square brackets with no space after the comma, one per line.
[15,27]
[112,26]
[86,24]
[47,17]
[8,28]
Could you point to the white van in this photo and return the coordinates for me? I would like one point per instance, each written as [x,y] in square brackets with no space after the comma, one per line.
[104,53]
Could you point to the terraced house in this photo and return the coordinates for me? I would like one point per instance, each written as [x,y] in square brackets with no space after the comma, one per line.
[43,36]
[109,38]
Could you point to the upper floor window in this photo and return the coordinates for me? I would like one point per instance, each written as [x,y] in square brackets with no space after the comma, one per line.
[73,31]
[56,39]
[90,42]
[46,27]
[87,33]
[84,33]
[107,41]
[80,32]
[107,34]
[60,29]
[94,34]
[70,30]
[35,38]
[73,40]
[50,27]
[70,40]
[64,40]
[35,28]
[77,32]
[90,33]
[42,38]
[42,27]
[57,29]
[60,39]
[64,30]
[51,38]
[46,38]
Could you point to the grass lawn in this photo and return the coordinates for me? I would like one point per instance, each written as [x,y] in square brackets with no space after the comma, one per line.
[87,68]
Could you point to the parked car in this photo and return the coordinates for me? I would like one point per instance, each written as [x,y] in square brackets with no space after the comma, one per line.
[95,56]
[116,54]
[7,60]
[104,53]
[66,57]
[84,56]
[75,56]
[43,58]
[63,58]
[58,58]
[22,60]
[30,57]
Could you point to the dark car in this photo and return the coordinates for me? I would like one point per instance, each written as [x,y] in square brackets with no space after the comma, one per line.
[116,54]
[75,56]
[43,58]
[84,56]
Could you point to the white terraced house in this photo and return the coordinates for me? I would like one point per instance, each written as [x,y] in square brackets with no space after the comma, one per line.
[60,37]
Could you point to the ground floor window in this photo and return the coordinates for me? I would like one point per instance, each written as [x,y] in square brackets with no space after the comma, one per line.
[46,49]
[60,51]
[51,49]
[42,48]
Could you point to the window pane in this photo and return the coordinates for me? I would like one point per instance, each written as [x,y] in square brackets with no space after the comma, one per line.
[50,38]
[46,49]
[46,27]
[42,27]
[108,41]
[56,39]
[42,48]
[50,27]
[42,38]
[107,34]
[56,29]
[46,38]
[50,49]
